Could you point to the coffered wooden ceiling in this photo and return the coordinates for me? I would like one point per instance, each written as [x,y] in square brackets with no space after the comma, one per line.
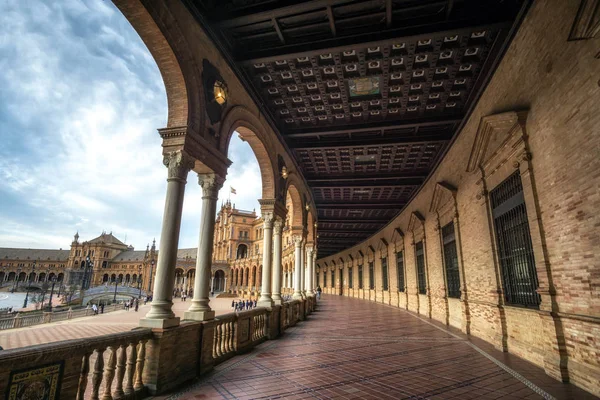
[366,94]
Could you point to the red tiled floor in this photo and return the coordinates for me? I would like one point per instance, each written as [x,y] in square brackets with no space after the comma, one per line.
[355,349]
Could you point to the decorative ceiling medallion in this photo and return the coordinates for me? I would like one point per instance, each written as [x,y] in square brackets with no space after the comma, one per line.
[368,86]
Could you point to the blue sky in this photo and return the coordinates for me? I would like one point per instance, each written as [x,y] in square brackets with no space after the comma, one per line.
[80,102]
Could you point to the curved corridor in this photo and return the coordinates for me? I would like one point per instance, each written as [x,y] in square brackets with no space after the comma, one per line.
[356,349]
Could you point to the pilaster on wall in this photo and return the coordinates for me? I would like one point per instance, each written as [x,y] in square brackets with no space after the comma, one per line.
[500,149]
[445,207]
[416,226]
[401,292]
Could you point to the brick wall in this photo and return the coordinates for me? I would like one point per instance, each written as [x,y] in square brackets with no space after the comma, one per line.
[557,82]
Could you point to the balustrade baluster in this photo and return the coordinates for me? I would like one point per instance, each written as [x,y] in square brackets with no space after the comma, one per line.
[131,360]
[230,336]
[83,376]
[109,374]
[121,360]
[139,369]
[223,342]
[214,345]
[97,375]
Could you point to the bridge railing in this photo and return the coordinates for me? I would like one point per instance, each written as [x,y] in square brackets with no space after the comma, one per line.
[21,320]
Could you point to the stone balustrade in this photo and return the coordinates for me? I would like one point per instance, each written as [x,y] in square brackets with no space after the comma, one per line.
[145,361]
[22,320]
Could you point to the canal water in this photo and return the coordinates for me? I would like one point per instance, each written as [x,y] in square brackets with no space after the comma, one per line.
[14,300]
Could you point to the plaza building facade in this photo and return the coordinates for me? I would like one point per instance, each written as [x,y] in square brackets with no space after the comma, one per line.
[104,260]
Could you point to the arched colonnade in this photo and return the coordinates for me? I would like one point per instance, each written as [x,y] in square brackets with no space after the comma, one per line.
[199,128]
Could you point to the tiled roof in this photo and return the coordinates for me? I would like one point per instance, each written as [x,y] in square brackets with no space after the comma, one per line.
[34,254]
[130,255]
[107,238]
[183,253]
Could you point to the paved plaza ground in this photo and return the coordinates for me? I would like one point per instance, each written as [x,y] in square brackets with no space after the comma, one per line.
[118,321]
[355,349]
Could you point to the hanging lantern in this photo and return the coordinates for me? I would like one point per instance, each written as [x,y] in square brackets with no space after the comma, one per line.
[220,92]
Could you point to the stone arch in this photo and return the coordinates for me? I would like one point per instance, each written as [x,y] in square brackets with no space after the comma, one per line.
[310,226]
[60,277]
[246,276]
[251,130]
[242,251]
[295,205]
[182,80]
[219,281]
[105,278]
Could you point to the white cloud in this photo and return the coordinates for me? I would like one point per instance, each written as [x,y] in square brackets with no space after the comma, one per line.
[81,101]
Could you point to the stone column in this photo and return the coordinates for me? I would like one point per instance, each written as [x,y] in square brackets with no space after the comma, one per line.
[309,271]
[265,292]
[297,266]
[277,231]
[200,309]
[303,269]
[160,314]
[314,269]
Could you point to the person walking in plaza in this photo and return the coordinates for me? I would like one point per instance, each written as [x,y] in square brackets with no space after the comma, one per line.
[318,292]
[102,308]
[233,304]
[137,305]
[95,309]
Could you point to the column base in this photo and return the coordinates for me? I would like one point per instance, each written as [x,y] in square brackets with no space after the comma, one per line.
[199,315]
[161,323]
[278,302]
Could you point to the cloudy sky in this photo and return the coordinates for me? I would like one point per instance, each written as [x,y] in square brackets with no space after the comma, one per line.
[80,101]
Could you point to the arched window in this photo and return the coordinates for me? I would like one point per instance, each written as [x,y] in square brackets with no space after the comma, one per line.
[242,251]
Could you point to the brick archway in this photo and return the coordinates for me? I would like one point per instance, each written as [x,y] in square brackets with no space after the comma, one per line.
[297,207]
[251,130]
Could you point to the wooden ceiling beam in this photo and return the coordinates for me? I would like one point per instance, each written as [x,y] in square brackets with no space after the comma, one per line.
[361,206]
[373,39]
[351,184]
[364,177]
[373,141]
[353,221]
[444,122]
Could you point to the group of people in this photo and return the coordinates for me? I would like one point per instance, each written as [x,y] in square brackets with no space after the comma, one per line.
[183,294]
[241,305]
[96,309]
[133,303]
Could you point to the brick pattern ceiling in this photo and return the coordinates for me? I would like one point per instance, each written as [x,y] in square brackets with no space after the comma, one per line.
[367,93]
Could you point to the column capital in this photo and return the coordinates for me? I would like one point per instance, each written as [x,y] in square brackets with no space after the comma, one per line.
[268,219]
[179,163]
[309,250]
[211,184]
[277,226]
[297,239]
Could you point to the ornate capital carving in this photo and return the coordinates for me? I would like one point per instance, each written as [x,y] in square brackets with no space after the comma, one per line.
[179,163]
[211,184]
[277,226]
[268,219]
[297,239]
